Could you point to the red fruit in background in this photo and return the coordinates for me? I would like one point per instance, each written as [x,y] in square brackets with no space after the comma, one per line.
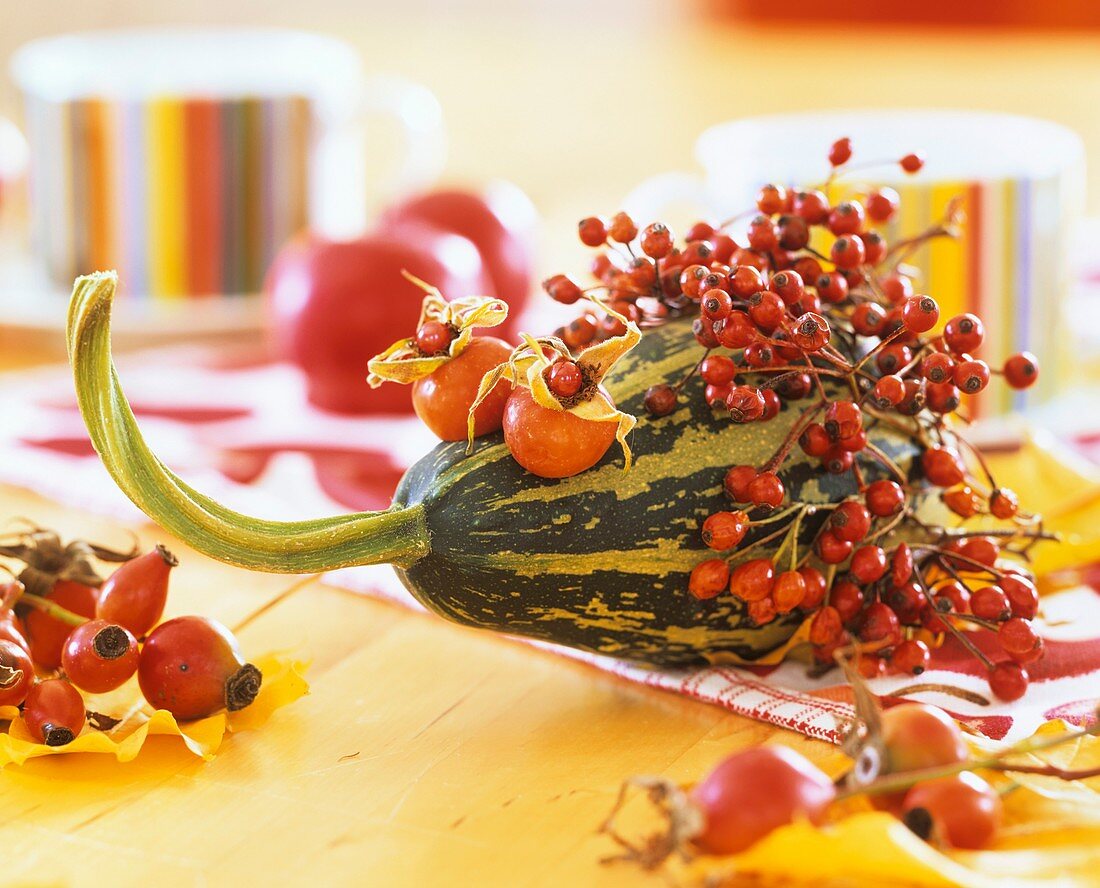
[46,635]
[192,667]
[54,712]
[442,400]
[135,594]
[756,791]
[334,304]
[962,811]
[917,736]
[500,222]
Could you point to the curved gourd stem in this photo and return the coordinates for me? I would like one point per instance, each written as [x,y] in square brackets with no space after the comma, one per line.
[396,536]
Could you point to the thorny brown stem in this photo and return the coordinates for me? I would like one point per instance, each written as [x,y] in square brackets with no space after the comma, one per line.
[804,421]
[886,461]
[888,527]
[959,635]
[996,762]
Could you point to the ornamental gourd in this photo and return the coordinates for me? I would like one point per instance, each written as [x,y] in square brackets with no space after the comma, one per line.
[599,561]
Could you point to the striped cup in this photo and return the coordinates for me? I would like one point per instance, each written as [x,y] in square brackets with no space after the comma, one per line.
[185,158]
[1020,181]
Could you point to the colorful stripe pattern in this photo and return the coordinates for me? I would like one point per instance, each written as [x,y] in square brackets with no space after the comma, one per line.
[1007,267]
[185,197]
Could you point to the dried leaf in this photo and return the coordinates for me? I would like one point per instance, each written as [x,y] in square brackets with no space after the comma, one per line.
[528,362]
[283,684]
[402,362]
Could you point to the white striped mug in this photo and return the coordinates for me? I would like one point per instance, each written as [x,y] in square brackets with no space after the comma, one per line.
[1021,182]
[184,158]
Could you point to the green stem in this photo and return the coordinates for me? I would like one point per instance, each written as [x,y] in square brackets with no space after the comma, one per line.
[54,610]
[397,535]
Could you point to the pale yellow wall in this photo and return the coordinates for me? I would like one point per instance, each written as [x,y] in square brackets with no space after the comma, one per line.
[530,86]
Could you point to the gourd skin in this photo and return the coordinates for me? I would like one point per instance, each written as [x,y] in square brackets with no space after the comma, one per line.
[600,561]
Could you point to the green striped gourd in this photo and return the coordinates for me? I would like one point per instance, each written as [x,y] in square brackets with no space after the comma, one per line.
[599,561]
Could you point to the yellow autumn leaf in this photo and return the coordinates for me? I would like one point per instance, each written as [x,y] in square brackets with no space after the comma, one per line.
[283,683]
[1081,754]
[1065,491]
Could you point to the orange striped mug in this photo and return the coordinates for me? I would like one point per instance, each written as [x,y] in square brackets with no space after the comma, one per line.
[1020,180]
[184,158]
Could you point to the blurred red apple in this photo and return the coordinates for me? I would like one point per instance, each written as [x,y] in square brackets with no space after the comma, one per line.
[500,222]
[335,304]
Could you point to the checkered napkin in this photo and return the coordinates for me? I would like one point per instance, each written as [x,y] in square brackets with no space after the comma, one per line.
[242,431]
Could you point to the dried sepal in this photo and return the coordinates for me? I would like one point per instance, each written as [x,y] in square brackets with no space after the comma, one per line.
[863,737]
[528,362]
[402,362]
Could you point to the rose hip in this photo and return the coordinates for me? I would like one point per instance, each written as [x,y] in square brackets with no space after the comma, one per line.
[99,656]
[54,712]
[192,667]
[135,594]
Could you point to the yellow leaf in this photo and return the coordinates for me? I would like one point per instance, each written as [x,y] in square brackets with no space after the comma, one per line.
[1064,491]
[282,684]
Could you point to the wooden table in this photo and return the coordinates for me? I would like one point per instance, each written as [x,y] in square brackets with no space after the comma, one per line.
[425,754]
[430,754]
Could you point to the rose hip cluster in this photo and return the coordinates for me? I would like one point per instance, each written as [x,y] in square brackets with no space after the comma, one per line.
[74,634]
[807,310]
[910,760]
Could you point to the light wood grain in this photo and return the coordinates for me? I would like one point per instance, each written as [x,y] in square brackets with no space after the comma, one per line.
[424,754]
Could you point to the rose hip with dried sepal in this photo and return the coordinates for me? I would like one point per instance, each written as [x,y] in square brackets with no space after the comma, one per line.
[850,521]
[660,400]
[1023,597]
[990,603]
[54,712]
[192,667]
[99,656]
[725,530]
[135,594]
[756,791]
[911,657]
[1009,681]
[753,580]
[1021,370]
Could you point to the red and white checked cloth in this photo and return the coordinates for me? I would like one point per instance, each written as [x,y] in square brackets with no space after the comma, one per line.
[243,432]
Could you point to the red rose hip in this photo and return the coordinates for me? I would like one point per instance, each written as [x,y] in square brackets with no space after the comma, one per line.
[99,656]
[54,712]
[135,594]
[192,667]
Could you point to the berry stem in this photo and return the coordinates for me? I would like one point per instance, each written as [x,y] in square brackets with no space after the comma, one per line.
[886,461]
[52,609]
[998,762]
[808,416]
[954,630]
